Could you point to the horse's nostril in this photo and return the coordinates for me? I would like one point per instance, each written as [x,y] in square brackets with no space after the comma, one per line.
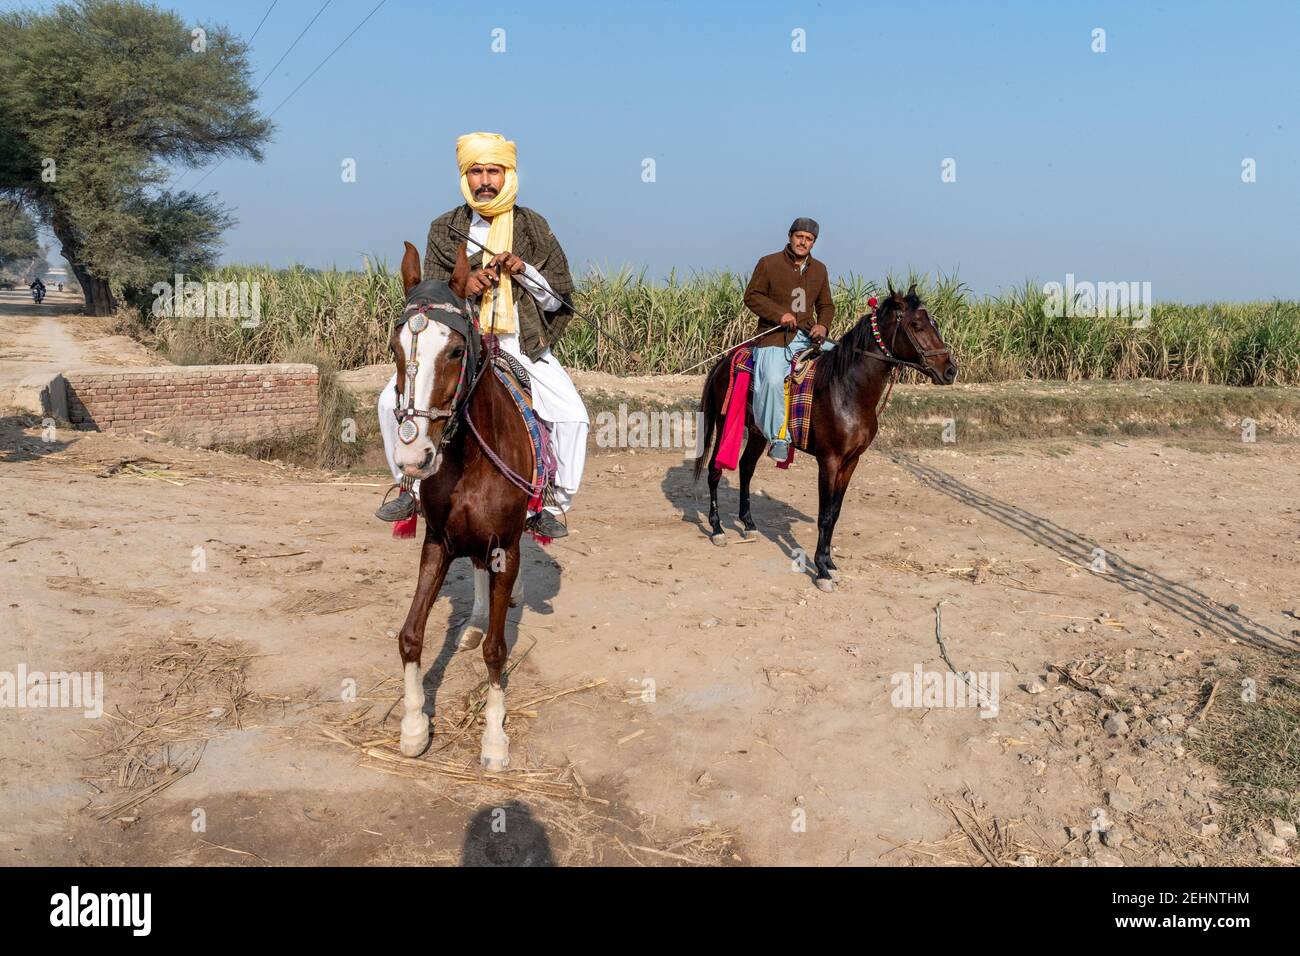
[950,375]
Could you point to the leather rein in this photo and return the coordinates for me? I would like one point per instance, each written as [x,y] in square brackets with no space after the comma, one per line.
[886,354]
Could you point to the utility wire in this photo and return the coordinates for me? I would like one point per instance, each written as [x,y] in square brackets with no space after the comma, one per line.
[327,58]
[304,82]
[263,20]
[271,71]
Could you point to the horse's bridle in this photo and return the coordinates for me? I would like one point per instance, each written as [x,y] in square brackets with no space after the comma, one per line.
[416,319]
[890,358]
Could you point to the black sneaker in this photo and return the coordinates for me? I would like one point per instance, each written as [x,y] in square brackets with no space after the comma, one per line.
[547,525]
[403,506]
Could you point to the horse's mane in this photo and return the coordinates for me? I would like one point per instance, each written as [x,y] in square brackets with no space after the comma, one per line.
[844,357]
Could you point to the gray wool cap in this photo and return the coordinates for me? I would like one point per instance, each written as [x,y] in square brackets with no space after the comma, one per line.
[804,224]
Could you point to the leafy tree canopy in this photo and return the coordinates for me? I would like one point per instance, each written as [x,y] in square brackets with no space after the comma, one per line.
[95,95]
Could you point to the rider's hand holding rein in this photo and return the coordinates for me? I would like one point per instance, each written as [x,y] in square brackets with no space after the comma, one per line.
[513,264]
[480,280]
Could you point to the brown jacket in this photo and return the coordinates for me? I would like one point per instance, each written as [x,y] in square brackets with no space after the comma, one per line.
[775,289]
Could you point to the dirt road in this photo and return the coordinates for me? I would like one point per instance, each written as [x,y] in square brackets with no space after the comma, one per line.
[242,615]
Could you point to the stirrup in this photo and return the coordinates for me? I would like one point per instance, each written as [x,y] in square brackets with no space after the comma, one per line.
[402,487]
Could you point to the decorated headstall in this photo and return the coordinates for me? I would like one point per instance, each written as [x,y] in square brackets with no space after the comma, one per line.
[422,308]
[924,353]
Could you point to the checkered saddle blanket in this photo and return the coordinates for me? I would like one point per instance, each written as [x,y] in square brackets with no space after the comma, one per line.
[799,386]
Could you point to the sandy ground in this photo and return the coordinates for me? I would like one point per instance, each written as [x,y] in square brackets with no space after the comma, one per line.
[243,615]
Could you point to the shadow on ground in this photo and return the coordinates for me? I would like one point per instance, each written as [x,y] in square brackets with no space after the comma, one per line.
[506,836]
[775,519]
[1181,599]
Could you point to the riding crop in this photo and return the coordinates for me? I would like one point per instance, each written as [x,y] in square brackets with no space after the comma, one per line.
[523,276]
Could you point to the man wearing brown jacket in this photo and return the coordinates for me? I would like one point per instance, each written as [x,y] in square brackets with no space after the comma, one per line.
[786,290]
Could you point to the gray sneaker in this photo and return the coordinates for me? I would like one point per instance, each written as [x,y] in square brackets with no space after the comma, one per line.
[403,506]
[547,525]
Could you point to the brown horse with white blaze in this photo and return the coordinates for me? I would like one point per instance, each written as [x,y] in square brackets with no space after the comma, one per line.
[850,381]
[471,508]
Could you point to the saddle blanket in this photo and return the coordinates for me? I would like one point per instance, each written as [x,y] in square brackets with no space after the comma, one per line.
[543,456]
[798,394]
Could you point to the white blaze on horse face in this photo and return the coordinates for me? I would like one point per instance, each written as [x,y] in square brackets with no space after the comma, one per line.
[419,459]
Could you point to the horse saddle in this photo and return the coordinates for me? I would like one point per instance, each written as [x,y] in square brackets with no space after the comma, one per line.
[512,374]
[803,366]
[799,385]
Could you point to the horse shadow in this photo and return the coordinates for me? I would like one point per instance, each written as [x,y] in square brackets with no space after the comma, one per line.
[541,576]
[1180,599]
[507,835]
[775,519]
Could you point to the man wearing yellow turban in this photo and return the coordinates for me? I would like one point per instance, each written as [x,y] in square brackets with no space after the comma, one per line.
[524,289]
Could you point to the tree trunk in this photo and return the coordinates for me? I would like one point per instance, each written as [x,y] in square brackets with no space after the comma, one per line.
[99,298]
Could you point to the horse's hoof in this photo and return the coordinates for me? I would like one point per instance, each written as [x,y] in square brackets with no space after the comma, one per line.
[824,584]
[749,534]
[495,757]
[719,540]
[415,745]
[834,573]
[471,636]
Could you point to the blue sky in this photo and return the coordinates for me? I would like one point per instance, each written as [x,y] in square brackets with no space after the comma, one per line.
[1115,166]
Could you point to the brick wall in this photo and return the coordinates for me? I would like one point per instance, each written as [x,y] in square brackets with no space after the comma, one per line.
[205,404]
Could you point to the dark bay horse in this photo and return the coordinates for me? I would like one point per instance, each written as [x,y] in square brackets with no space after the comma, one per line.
[846,392]
[471,508]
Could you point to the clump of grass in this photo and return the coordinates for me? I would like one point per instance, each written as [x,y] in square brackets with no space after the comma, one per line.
[337,444]
[1255,744]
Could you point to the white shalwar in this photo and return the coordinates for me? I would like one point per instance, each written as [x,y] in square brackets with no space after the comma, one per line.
[555,399]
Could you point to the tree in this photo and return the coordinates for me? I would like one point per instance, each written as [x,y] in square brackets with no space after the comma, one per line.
[95,96]
[17,235]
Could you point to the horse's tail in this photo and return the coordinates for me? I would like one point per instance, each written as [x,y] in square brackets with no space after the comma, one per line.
[711,410]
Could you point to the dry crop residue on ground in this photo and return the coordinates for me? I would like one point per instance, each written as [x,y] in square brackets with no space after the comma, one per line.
[671,703]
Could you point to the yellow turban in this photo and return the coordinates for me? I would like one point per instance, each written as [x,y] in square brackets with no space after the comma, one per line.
[493,149]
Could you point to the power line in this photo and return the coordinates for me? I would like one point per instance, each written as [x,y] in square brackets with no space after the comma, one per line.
[271,71]
[263,20]
[304,82]
[327,59]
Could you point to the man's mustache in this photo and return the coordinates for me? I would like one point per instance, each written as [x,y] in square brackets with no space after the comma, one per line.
[490,190]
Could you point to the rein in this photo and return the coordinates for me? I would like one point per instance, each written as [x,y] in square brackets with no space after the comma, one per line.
[887,355]
[516,479]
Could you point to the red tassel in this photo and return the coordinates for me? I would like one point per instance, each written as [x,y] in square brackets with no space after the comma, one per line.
[541,539]
[405,528]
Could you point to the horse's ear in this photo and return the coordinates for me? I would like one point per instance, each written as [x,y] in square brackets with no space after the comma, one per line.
[892,293]
[410,268]
[460,274]
[911,290]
